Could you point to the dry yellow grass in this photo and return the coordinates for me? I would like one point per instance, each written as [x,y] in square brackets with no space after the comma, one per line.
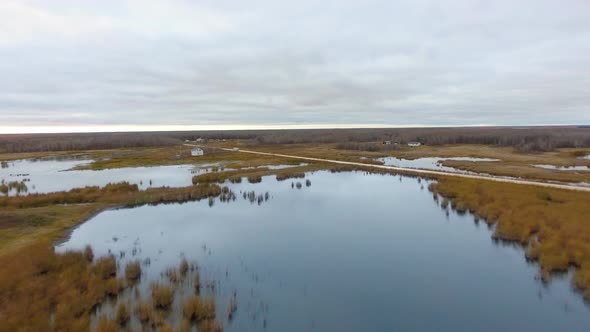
[44,291]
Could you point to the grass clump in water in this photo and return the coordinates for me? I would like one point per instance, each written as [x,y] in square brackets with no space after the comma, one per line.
[106,267]
[106,325]
[162,296]
[122,316]
[133,271]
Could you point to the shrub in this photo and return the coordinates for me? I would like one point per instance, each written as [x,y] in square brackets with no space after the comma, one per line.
[106,325]
[144,312]
[133,271]
[183,267]
[162,296]
[122,315]
[210,326]
[88,254]
[196,308]
[254,178]
[106,267]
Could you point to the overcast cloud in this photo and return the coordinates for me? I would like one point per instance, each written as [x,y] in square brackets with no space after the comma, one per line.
[142,63]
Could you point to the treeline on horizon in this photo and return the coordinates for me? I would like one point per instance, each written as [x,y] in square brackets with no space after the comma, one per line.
[526,139]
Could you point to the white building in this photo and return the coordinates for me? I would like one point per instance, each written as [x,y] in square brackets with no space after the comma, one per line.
[414,144]
[195,152]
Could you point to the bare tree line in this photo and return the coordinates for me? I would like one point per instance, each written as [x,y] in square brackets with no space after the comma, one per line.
[521,138]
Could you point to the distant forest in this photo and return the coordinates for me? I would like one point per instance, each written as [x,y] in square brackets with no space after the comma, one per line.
[527,139]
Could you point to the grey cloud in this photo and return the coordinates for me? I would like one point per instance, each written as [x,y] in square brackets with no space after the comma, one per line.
[265,62]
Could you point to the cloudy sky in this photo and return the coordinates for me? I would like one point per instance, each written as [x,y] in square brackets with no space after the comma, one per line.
[137,64]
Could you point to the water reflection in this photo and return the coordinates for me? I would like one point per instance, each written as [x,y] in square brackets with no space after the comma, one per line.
[432,163]
[564,168]
[59,174]
[352,252]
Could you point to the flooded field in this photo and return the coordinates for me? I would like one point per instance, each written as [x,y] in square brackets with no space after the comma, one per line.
[565,168]
[334,252]
[49,175]
[432,163]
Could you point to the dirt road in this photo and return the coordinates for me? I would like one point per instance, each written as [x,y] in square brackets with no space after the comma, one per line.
[423,171]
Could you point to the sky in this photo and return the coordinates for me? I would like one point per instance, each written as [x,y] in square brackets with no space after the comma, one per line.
[76,65]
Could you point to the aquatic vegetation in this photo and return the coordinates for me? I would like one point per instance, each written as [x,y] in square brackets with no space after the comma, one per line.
[183,267]
[145,312]
[291,175]
[118,194]
[4,164]
[308,183]
[162,295]
[88,253]
[122,316]
[199,309]
[106,267]
[105,324]
[37,284]
[254,179]
[133,271]
[550,223]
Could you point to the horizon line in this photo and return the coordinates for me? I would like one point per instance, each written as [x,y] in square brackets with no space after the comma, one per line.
[61,129]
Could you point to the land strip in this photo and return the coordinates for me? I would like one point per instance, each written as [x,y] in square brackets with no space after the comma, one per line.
[421,171]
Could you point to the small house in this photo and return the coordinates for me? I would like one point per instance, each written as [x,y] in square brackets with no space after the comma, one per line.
[195,152]
[386,142]
[414,144]
[199,140]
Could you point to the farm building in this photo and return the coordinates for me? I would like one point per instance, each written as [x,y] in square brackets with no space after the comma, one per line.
[195,152]
[386,142]
[414,144]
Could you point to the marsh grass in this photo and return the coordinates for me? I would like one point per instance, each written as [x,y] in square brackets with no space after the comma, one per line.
[254,179]
[183,268]
[122,315]
[44,291]
[551,224]
[105,324]
[133,271]
[162,296]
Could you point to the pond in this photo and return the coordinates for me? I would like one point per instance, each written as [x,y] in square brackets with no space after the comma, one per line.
[50,175]
[564,168]
[432,163]
[346,252]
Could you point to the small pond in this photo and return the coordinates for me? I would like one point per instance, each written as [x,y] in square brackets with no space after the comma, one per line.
[564,168]
[346,252]
[432,163]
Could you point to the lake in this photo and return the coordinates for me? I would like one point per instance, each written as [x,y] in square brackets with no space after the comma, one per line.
[350,252]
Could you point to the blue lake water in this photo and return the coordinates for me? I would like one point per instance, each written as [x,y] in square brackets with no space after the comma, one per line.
[350,252]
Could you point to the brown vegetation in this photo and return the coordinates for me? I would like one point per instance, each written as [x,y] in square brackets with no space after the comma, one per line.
[199,309]
[162,295]
[551,224]
[42,291]
[133,271]
[122,316]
